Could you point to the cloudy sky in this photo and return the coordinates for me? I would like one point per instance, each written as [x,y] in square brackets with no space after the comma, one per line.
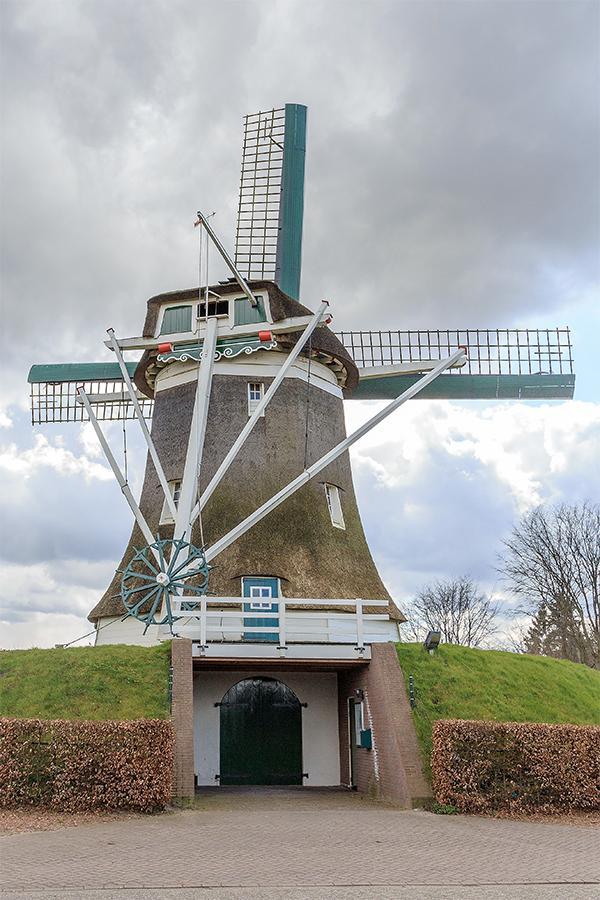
[452,181]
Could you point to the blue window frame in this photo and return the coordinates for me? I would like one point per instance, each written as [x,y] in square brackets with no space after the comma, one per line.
[260,593]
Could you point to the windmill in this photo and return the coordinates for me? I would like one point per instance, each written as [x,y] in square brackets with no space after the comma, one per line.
[247,530]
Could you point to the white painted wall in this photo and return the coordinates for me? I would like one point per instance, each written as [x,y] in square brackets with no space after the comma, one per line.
[320,741]
[334,631]
[131,631]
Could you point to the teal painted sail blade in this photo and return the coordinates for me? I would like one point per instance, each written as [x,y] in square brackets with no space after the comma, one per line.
[470,387]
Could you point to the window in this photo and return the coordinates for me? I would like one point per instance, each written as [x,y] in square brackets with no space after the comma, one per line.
[246,314]
[256,390]
[166,518]
[359,721]
[176,319]
[256,595]
[216,307]
[332,492]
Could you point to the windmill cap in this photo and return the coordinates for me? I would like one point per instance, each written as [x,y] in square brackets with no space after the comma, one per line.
[325,346]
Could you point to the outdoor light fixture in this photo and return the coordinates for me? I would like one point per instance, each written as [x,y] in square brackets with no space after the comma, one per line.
[432,641]
[360,694]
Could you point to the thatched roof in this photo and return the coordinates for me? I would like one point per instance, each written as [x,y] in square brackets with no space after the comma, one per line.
[325,346]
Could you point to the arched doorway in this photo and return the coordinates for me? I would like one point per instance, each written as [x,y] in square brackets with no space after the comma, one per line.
[261,734]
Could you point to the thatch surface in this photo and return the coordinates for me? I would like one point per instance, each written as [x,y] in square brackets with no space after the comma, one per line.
[324,344]
[296,542]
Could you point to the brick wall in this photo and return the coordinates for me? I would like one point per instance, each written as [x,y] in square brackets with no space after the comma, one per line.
[392,769]
[182,717]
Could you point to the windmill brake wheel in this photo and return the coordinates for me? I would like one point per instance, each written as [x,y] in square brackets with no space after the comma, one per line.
[158,573]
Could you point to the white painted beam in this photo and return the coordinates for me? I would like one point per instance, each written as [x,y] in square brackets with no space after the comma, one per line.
[295,323]
[189,483]
[406,368]
[140,417]
[125,489]
[262,405]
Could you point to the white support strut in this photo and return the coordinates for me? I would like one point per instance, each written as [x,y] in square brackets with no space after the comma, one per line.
[189,483]
[232,266]
[329,457]
[125,489]
[245,432]
[140,417]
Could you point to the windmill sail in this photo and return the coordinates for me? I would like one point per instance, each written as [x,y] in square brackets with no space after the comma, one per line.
[268,240]
[502,363]
[53,393]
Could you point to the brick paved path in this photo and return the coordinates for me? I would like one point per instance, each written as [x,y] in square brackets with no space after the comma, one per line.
[285,840]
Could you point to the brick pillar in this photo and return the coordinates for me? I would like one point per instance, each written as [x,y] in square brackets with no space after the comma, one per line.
[182,718]
[391,770]
[401,770]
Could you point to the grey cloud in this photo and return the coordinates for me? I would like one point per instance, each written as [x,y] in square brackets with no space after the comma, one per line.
[451,166]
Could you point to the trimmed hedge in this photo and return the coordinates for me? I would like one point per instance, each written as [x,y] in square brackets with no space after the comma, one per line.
[482,767]
[74,765]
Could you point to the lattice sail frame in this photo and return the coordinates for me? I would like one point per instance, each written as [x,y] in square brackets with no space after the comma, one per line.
[492,351]
[498,351]
[260,194]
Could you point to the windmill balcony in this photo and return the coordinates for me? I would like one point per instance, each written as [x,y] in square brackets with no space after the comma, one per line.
[285,628]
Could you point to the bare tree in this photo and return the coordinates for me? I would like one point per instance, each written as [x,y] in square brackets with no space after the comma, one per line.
[457,608]
[552,561]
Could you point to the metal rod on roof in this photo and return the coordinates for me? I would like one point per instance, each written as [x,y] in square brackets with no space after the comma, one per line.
[230,263]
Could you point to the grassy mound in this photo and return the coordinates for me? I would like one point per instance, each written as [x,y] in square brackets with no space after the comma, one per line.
[460,683]
[110,682]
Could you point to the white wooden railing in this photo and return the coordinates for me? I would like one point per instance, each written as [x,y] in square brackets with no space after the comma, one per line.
[213,619]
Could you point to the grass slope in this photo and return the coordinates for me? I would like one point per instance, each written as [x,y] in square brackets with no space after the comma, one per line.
[460,683]
[110,682]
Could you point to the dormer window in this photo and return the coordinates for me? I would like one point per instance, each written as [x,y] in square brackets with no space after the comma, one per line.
[246,314]
[216,307]
[177,319]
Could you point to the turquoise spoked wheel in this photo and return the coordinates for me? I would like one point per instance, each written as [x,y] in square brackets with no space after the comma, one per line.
[160,572]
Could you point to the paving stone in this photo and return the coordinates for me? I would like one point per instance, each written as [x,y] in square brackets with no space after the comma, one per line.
[291,843]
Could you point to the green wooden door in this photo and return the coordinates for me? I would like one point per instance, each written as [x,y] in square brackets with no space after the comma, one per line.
[261,734]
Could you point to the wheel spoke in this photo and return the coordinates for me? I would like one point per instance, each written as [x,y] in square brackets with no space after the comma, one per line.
[159,545]
[140,575]
[188,562]
[177,546]
[181,585]
[137,606]
[150,616]
[136,590]
[149,564]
